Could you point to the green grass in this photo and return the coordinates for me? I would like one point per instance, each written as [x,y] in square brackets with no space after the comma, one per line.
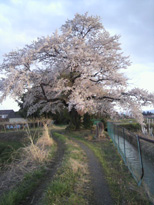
[68,184]
[133,127]
[24,188]
[127,121]
[30,182]
[7,149]
[130,124]
[67,187]
[123,187]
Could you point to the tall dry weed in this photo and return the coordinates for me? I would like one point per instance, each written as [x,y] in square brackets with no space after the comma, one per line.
[39,151]
[30,158]
[45,140]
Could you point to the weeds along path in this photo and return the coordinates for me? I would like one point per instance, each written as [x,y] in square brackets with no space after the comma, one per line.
[99,184]
[37,195]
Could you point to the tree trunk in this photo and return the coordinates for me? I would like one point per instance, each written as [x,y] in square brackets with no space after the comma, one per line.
[75,120]
[99,130]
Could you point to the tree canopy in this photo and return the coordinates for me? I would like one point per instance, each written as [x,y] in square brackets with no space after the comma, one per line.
[78,68]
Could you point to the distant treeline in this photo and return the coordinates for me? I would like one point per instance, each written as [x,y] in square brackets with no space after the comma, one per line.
[148,113]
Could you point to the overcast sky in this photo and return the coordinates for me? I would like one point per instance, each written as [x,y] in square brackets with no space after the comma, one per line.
[22,21]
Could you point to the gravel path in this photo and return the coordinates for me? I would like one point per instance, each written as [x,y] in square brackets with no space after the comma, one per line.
[100,187]
[35,198]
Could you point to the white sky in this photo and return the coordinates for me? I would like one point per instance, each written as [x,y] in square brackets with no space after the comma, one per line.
[22,21]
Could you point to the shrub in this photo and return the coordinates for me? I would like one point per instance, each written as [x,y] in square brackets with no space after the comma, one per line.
[134,127]
[87,123]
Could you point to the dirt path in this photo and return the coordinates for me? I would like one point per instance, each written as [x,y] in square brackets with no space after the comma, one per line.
[99,184]
[101,194]
[36,197]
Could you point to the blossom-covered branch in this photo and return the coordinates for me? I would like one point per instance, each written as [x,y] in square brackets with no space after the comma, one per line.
[78,69]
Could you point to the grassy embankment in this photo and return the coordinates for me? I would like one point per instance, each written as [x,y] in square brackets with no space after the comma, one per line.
[69,185]
[124,189]
[33,159]
[12,140]
[7,149]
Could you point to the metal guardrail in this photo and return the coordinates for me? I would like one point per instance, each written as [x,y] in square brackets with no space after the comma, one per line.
[120,136]
[137,153]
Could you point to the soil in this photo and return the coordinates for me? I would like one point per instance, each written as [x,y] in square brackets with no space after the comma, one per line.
[13,136]
[20,136]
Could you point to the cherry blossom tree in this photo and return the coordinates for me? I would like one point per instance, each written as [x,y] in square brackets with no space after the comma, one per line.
[78,68]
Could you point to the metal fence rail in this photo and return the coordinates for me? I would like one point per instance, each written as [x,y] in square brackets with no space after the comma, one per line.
[136,152]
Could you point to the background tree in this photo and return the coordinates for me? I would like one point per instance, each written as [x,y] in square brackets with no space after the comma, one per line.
[78,69]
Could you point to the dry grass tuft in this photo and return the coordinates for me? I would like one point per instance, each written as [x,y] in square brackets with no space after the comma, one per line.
[71,142]
[45,140]
[89,138]
[34,153]
[29,159]
[76,166]
[39,151]
[75,151]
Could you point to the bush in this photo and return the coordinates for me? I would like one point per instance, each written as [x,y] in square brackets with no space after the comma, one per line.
[74,120]
[87,123]
[134,127]
[61,117]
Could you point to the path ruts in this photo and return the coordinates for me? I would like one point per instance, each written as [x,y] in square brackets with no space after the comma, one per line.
[100,187]
[36,196]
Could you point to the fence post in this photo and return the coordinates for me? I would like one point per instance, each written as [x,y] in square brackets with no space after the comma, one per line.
[114,132]
[124,145]
[118,137]
[141,162]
